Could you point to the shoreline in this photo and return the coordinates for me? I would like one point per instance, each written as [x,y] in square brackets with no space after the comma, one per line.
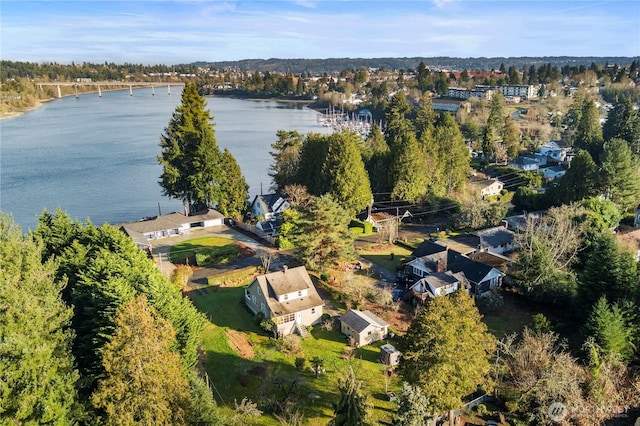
[17,113]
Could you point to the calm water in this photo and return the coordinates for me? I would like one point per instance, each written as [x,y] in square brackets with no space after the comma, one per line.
[96,157]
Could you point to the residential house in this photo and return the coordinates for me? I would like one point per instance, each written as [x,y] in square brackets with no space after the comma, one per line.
[169,225]
[554,151]
[487,187]
[363,327]
[529,162]
[436,285]
[269,206]
[552,173]
[267,209]
[496,240]
[288,297]
[450,105]
[481,277]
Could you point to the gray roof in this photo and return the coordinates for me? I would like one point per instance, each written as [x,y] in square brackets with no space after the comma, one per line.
[169,221]
[281,282]
[360,320]
[494,237]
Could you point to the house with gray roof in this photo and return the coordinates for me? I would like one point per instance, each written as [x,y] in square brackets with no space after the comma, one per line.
[436,285]
[481,277]
[363,327]
[288,297]
[168,225]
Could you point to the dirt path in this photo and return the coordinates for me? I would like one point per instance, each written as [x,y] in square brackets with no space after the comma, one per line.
[240,344]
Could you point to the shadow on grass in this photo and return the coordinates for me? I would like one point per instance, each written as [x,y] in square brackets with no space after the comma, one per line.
[224,307]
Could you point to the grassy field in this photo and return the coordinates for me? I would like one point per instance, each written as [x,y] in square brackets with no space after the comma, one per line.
[511,318]
[235,377]
[185,249]
[389,256]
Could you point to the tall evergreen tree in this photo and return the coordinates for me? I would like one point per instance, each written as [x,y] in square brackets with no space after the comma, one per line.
[398,120]
[407,169]
[37,375]
[104,269]
[608,328]
[493,130]
[446,351]
[324,237]
[312,155]
[352,407]
[620,174]
[511,137]
[286,155]
[580,181]
[190,155]
[377,164]
[589,131]
[345,173]
[234,188]
[623,122]
[456,154]
[143,382]
[608,271]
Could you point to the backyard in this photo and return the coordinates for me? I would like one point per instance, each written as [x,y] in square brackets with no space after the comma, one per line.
[207,251]
[242,361]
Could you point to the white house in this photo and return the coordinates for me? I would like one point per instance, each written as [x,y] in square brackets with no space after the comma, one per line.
[554,151]
[551,173]
[269,206]
[288,297]
[436,285]
[171,224]
[363,327]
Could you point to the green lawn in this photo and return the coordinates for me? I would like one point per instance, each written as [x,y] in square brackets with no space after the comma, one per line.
[235,377]
[180,251]
[389,256]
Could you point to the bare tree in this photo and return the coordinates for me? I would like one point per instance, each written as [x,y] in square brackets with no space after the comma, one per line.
[266,257]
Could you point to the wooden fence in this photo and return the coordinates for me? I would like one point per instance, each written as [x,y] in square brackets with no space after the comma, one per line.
[256,231]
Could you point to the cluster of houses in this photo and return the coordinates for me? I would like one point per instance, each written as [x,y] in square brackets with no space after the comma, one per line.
[552,160]
[467,262]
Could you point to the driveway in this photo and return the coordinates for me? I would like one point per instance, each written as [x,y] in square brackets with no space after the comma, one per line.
[162,246]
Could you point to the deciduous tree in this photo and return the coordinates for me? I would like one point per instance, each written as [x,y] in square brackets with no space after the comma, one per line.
[446,351]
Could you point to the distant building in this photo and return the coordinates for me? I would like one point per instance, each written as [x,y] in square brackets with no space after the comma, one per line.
[449,105]
[479,92]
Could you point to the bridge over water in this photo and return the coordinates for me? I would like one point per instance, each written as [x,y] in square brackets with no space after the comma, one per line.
[108,84]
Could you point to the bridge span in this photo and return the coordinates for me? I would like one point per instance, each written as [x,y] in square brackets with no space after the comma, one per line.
[108,84]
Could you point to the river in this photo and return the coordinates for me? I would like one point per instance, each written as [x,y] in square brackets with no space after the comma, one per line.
[95,157]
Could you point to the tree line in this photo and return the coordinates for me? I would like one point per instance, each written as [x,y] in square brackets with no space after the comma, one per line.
[92,332]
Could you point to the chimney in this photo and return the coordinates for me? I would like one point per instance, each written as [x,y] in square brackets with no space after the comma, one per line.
[285,268]
[440,265]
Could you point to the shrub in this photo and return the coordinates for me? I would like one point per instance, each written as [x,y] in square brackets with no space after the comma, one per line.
[290,345]
[268,325]
[482,409]
[300,363]
[180,276]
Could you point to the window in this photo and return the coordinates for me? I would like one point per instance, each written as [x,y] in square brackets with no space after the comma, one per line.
[369,333]
[313,310]
[285,319]
[300,293]
[286,297]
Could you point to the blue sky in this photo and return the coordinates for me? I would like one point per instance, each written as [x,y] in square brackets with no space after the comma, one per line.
[172,32]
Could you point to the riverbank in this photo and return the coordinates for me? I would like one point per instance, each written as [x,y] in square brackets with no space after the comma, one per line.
[17,113]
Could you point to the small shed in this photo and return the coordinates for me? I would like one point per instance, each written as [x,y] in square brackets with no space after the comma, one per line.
[389,355]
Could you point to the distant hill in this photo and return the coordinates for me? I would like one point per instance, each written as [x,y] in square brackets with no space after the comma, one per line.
[318,66]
